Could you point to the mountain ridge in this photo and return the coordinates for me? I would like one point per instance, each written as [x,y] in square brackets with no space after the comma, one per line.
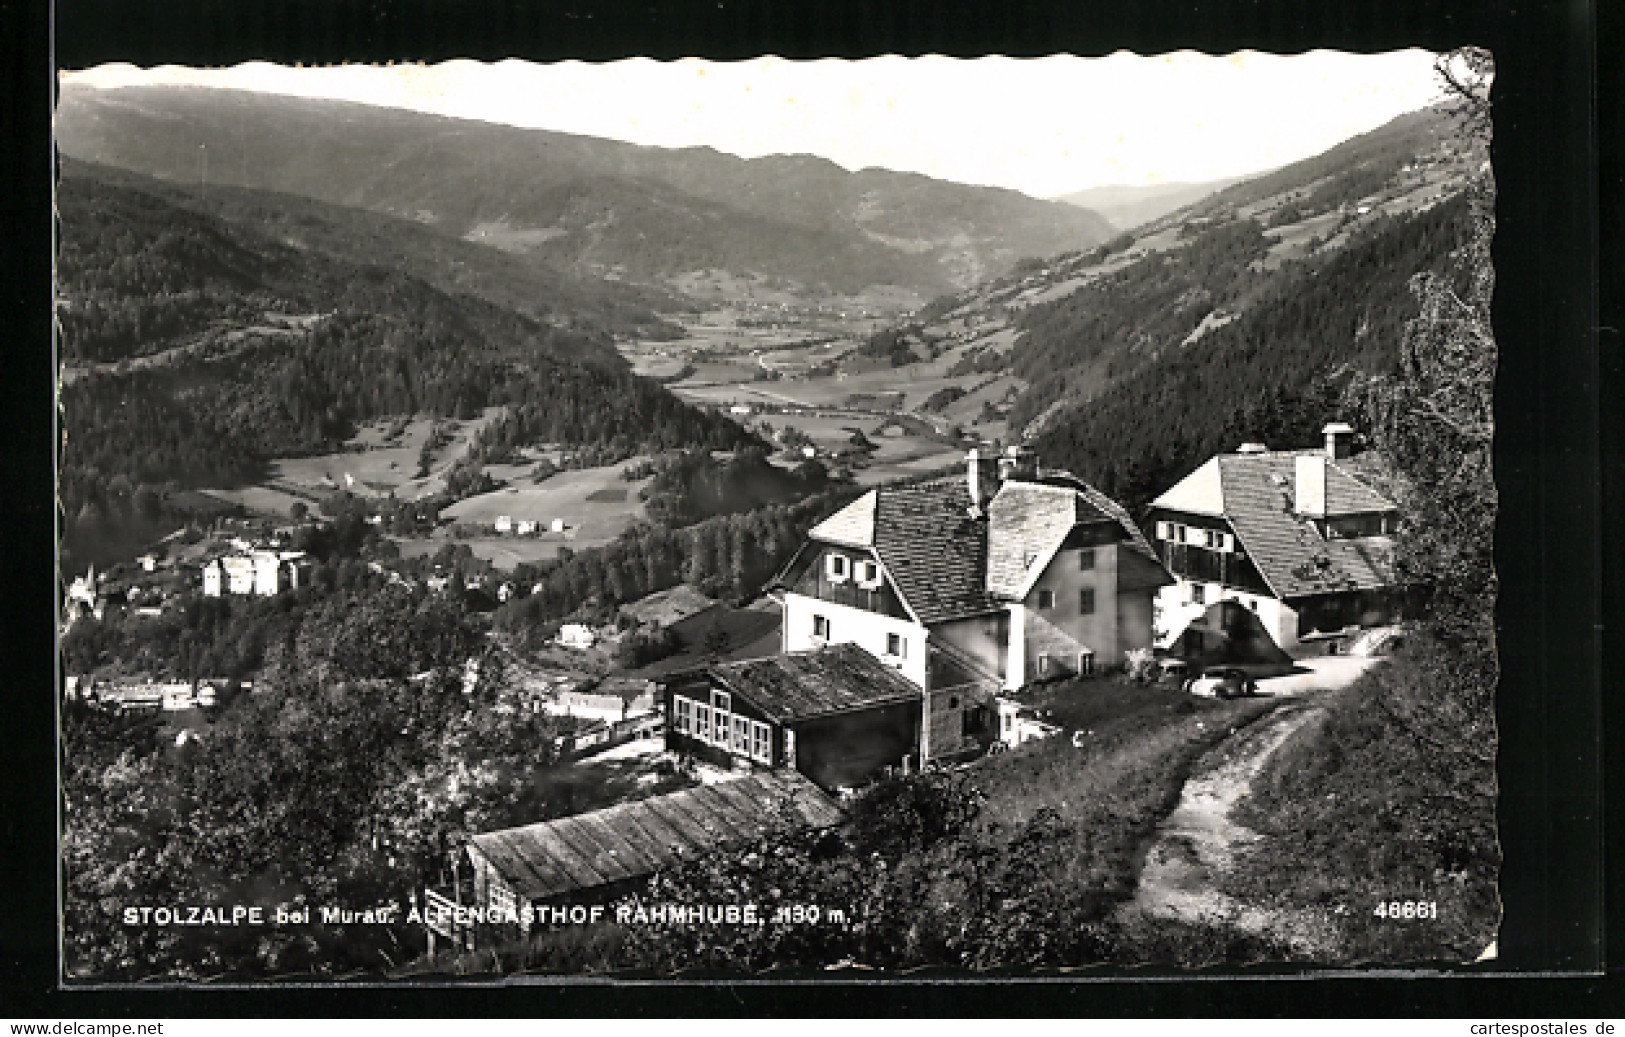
[592,204]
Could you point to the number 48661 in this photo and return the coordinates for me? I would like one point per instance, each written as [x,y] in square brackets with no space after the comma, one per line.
[1402,909]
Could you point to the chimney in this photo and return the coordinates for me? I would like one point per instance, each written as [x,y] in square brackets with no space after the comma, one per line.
[1309,497]
[1339,440]
[1018,462]
[981,477]
[1252,448]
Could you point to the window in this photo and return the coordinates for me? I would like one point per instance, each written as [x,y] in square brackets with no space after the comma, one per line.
[1046,600]
[501,900]
[1043,664]
[897,645]
[720,717]
[1086,559]
[1165,531]
[1198,594]
[869,574]
[740,742]
[761,742]
[685,714]
[820,627]
[838,567]
[702,721]
[1086,601]
[789,747]
[1086,664]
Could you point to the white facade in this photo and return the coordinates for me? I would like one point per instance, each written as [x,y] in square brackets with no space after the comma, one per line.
[1179,604]
[576,635]
[899,643]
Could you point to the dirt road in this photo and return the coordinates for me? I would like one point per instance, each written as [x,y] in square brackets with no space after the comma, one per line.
[1198,841]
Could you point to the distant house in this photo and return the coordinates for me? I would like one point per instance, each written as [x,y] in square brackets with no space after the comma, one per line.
[265,573]
[576,635]
[838,716]
[1005,575]
[525,527]
[1019,724]
[1294,535]
[556,526]
[504,524]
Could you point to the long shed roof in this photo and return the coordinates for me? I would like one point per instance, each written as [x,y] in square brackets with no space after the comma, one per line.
[630,840]
[804,685]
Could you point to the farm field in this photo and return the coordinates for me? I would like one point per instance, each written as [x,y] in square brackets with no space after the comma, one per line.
[372,465]
[596,504]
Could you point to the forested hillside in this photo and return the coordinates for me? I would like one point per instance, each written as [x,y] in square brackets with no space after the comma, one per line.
[246,349]
[593,204]
[1240,317]
[524,283]
[1272,375]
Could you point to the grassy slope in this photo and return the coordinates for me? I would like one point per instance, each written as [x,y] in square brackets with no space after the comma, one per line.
[1390,798]
[1138,746]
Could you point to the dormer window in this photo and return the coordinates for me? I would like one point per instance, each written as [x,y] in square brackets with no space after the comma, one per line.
[837,567]
[868,575]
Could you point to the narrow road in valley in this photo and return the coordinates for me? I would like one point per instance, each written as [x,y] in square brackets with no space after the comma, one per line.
[1199,842]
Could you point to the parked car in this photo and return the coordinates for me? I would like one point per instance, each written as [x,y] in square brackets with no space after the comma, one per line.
[1222,682]
[1173,671]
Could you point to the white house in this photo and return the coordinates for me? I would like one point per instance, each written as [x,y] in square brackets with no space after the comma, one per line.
[265,573]
[975,583]
[525,527]
[576,635]
[504,523]
[1295,535]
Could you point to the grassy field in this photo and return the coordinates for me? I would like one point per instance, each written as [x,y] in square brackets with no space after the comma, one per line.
[1136,746]
[372,465]
[595,503]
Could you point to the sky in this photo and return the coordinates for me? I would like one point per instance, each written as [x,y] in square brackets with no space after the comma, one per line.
[1044,126]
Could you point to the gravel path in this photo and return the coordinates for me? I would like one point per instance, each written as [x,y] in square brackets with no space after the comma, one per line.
[1198,841]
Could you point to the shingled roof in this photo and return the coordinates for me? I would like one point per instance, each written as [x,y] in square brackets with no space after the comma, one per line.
[804,685]
[933,550]
[630,840]
[947,564]
[1032,520]
[1254,492]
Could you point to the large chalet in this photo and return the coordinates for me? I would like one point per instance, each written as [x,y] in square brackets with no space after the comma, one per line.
[1295,535]
[992,579]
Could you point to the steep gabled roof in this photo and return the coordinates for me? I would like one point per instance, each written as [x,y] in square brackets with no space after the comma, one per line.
[1257,496]
[630,840]
[804,685]
[1027,524]
[934,552]
[1199,493]
[852,526]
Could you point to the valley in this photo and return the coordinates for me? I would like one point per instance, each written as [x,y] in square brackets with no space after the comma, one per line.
[431,487]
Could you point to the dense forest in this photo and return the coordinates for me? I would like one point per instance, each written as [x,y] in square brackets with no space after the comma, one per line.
[726,556]
[381,753]
[1274,374]
[136,269]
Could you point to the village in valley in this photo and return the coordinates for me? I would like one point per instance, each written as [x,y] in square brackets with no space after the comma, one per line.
[882,610]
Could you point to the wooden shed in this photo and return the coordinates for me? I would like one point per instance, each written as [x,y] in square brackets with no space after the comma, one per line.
[838,715]
[602,853]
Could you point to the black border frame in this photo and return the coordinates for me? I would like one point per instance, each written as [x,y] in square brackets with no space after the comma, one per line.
[1557,452]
